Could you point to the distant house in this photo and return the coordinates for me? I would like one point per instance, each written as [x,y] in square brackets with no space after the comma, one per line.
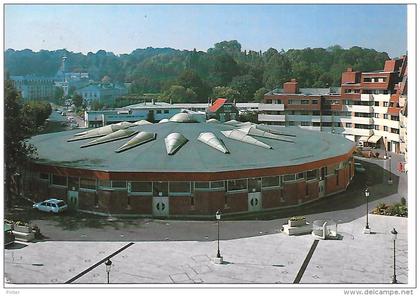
[222,110]
[104,93]
[33,87]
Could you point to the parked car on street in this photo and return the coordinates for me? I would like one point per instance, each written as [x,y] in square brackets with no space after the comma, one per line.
[358,167]
[51,205]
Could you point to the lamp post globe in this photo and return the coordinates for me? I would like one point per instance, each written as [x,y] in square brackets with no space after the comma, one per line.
[394,234]
[108,264]
[218,215]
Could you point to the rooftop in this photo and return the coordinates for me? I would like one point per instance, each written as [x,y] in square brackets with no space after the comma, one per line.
[308,91]
[249,146]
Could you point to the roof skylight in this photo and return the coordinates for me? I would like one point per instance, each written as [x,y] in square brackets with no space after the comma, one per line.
[252,131]
[100,131]
[173,142]
[212,120]
[183,117]
[142,122]
[243,137]
[121,134]
[211,140]
[139,139]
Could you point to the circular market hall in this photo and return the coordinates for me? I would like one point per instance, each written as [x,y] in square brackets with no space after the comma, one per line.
[184,168]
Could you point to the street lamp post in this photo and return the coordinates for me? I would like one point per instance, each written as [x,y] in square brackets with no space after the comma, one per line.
[108,264]
[219,258]
[389,166]
[388,158]
[394,238]
[367,229]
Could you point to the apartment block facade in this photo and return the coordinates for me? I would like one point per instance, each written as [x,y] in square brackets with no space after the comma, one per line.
[366,108]
[33,87]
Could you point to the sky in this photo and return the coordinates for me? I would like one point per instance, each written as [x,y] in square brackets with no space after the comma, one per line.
[123,28]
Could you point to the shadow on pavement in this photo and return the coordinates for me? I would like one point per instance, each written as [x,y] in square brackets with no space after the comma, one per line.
[15,246]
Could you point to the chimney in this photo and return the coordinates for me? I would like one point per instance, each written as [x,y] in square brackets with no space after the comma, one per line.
[291,87]
[153,101]
[170,101]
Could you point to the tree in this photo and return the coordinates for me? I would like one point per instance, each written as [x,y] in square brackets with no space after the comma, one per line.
[59,95]
[17,150]
[77,100]
[232,47]
[225,92]
[35,113]
[96,105]
[246,85]
[189,79]
[259,94]
[179,94]
[277,70]
[223,69]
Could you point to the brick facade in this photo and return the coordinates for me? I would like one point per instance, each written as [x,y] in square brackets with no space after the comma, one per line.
[199,202]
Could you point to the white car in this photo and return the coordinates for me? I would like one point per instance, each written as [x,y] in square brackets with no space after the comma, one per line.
[51,205]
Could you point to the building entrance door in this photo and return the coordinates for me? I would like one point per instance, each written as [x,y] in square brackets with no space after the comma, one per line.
[254,201]
[254,194]
[73,199]
[160,206]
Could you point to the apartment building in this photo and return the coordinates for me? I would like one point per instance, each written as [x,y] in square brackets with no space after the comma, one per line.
[33,87]
[366,108]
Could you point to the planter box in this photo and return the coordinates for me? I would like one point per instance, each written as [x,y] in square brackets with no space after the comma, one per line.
[22,228]
[23,236]
[299,230]
[296,223]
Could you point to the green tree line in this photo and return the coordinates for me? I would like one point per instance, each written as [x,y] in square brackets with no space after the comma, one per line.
[194,76]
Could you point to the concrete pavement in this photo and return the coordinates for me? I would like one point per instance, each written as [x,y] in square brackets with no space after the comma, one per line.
[267,259]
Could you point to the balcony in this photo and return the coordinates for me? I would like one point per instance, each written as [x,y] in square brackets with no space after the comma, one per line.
[363,120]
[270,107]
[358,132]
[358,108]
[270,118]
[300,117]
[366,97]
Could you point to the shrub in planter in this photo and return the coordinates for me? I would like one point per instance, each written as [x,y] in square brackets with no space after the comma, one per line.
[20,226]
[398,210]
[297,221]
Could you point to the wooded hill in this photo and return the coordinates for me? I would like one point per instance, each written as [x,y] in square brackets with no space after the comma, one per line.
[194,76]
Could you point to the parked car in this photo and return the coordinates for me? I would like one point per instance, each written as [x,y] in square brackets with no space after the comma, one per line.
[51,205]
[358,167]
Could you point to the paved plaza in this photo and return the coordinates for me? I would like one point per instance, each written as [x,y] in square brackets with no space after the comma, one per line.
[266,259]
